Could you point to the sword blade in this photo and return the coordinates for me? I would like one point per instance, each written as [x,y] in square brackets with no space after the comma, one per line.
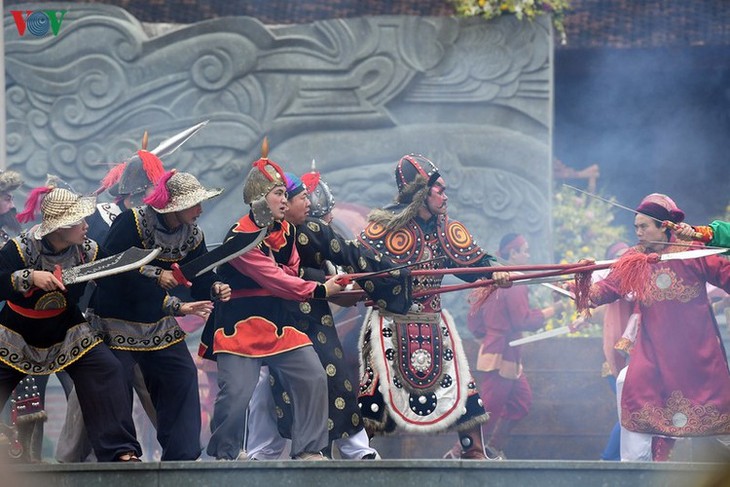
[540,336]
[130,259]
[237,245]
[691,254]
[542,280]
[613,203]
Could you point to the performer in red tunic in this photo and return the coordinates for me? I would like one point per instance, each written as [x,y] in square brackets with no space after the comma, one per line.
[257,327]
[414,373]
[677,382]
[497,321]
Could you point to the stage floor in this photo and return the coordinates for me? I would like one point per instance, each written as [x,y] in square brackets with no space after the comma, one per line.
[399,473]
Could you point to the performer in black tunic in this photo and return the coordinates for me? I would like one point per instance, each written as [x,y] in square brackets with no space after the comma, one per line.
[318,244]
[129,183]
[257,328]
[42,330]
[137,314]
[26,413]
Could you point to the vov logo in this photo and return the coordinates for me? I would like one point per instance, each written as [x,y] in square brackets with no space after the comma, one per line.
[38,22]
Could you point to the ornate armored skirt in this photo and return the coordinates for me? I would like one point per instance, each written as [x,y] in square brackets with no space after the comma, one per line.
[414,374]
[17,354]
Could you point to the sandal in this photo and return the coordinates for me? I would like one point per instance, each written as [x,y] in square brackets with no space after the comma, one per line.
[128,457]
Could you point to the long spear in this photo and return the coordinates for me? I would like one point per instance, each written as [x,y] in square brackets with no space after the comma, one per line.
[461,270]
[689,254]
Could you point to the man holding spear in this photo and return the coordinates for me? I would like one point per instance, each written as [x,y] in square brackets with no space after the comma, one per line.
[677,383]
[414,373]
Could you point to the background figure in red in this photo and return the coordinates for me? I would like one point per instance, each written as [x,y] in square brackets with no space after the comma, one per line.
[496,321]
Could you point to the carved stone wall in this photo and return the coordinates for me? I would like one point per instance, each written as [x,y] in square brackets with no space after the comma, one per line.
[355,94]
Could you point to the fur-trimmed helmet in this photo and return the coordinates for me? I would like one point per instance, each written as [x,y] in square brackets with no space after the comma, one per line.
[10,181]
[414,175]
[410,167]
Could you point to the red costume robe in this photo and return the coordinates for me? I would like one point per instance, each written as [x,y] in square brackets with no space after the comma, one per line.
[678,381]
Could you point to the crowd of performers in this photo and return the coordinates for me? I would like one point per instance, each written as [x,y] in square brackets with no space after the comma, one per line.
[282,377]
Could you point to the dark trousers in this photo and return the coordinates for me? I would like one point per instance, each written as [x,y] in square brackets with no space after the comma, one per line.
[106,403]
[172,380]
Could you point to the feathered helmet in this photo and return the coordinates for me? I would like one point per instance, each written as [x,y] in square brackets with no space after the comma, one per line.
[414,176]
[134,176]
[264,176]
[320,196]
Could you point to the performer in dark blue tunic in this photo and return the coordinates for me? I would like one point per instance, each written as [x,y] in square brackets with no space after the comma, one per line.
[137,314]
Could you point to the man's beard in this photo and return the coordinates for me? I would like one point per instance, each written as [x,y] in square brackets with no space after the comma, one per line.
[9,221]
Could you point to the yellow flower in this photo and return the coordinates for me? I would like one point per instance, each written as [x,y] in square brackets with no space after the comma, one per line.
[482,2]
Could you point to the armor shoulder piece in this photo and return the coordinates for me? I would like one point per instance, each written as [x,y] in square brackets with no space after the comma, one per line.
[402,245]
[458,243]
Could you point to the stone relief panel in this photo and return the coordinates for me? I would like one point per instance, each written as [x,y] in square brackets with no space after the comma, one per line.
[355,94]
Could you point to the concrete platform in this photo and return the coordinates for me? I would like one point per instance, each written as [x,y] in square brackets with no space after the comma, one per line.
[400,473]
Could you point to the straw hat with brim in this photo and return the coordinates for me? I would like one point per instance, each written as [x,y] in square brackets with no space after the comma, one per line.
[185,191]
[61,208]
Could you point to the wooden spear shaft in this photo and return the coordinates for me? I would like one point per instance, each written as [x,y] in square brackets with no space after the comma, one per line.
[519,277]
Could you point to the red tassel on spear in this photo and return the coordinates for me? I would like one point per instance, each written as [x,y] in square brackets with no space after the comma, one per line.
[632,271]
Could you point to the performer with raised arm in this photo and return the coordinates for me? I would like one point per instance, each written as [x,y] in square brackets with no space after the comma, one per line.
[257,327]
[677,383]
[42,330]
[414,373]
[137,314]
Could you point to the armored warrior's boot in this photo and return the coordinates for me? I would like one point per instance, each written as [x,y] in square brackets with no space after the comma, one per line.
[472,444]
[28,416]
[661,448]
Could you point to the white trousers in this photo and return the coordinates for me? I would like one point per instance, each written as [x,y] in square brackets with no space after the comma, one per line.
[635,447]
[265,443]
